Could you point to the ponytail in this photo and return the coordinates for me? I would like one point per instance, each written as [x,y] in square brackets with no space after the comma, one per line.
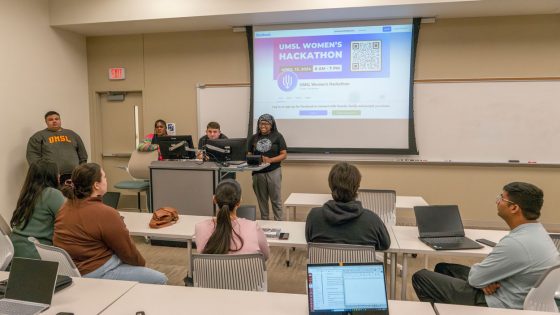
[221,239]
[228,196]
[81,184]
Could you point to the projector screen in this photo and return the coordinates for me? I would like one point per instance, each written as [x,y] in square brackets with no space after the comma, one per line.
[337,87]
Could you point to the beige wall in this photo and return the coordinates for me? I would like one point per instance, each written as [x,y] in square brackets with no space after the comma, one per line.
[504,47]
[42,69]
[456,48]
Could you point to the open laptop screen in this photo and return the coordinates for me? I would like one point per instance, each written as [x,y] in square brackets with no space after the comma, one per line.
[32,280]
[346,289]
[438,221]
[175,147]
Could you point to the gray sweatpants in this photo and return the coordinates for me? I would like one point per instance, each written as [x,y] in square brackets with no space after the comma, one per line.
[268,185]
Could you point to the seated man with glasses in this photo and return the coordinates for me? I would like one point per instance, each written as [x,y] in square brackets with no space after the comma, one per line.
[506,275]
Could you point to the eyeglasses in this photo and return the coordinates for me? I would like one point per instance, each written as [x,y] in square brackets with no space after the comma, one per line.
[501,197]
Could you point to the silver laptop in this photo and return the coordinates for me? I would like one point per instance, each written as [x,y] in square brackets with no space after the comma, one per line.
[30,287]
[357,288]
[441,228]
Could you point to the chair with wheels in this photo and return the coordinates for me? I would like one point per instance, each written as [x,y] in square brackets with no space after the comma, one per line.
[138,169]
[51,253]
[245,272]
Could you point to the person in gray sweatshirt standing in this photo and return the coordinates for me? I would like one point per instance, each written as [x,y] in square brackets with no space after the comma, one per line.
[62,146]
[343,219]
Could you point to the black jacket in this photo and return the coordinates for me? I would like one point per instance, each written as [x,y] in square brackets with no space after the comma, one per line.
[347,223]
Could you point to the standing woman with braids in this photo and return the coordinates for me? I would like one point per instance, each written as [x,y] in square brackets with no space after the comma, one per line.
[36,209]
[94,234]
[228,234]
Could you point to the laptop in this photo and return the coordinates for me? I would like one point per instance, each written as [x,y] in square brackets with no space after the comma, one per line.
[441,228]
[357,288]
[30,287]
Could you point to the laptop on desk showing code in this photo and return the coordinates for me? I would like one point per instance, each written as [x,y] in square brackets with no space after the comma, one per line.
[441,228]
[357,289]
[30,287]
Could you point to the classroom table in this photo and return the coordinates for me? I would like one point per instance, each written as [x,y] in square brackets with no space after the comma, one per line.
[184,228]
[86,296]
[451,309]
[315,200]
[137,224]
[152,299]
[408,243]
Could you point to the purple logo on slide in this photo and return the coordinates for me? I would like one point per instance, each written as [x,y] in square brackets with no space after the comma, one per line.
[287,81]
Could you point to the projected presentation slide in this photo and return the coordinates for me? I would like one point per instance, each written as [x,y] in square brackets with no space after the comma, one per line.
[348,75]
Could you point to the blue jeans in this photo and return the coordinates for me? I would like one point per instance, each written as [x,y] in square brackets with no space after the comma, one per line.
[114,269]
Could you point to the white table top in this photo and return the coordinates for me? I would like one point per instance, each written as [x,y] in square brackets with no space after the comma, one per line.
[137,224]
[450,309]
[408,242]
[315,200]
[184,300]
[86,296]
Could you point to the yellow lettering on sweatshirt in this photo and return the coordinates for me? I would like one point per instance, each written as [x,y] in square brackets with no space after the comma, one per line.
[55,139]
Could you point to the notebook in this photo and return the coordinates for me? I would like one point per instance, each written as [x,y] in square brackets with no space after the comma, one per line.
[441,228]
[30,287]
[357,288]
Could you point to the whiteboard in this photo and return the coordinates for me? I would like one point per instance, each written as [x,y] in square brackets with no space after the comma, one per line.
[479,122]
[488,121]
[227,105]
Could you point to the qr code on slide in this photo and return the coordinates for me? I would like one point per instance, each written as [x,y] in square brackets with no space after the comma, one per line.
[365,55]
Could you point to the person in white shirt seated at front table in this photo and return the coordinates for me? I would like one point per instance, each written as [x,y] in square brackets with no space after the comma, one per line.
[506,275]
[228,234]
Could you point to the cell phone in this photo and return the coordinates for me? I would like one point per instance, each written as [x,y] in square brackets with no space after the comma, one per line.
[486,242]
[284,236]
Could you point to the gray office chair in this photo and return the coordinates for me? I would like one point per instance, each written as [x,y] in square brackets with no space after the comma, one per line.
[5,228]
[382,202]
[248,212]
[138,169]
[323,253]
[6,251]
[51,253]
[233,272]
[541,296]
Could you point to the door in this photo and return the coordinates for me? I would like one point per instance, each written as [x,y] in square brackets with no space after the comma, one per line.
[120,132]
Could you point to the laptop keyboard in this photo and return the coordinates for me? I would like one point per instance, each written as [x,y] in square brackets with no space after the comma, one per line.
[8,307]
[444,240]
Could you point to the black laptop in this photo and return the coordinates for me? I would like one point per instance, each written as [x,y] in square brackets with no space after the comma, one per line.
[30,287]
[347,289]
[441,228]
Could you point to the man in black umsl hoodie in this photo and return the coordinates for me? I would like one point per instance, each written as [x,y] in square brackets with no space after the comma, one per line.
[344,220]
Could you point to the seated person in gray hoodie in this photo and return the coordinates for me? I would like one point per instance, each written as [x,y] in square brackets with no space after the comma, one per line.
[343,219]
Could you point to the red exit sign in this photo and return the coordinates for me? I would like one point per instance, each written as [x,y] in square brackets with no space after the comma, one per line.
[116,74]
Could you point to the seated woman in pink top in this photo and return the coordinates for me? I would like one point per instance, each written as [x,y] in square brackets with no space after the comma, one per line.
[228,234]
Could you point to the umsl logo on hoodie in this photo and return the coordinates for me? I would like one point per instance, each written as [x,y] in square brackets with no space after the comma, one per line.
[55,139]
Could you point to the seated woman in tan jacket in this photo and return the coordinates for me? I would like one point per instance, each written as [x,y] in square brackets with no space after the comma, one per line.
[94,234]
